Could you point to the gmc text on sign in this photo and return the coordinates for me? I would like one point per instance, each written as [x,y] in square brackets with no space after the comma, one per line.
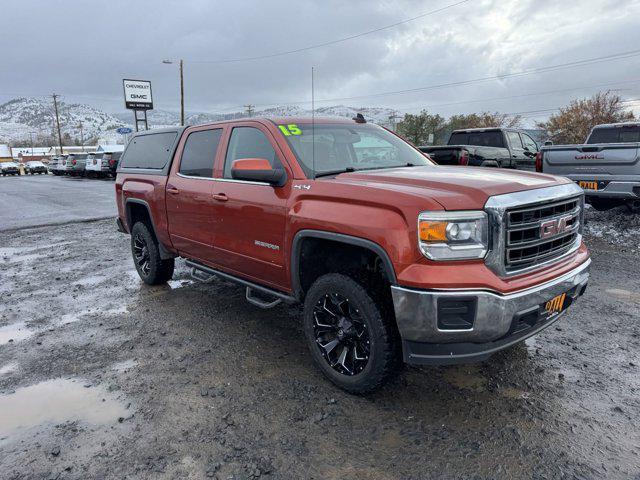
[137,94]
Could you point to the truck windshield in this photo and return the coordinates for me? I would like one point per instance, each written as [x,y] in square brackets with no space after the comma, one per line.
[340,147]
[480,139]
[618,134]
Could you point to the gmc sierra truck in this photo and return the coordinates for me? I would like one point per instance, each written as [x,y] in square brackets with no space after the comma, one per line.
[394,258]
[486,147]
[607,166]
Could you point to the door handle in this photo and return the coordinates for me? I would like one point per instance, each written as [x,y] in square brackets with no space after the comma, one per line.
[173,190]
[221,197]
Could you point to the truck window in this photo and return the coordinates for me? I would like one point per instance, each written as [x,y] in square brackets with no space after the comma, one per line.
[249,142]
[529,142]
[514,140]
[480,139]
[621,134]
[199,153]
[151,151]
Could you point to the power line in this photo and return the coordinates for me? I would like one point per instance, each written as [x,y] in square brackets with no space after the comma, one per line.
[533,71]
[332,42]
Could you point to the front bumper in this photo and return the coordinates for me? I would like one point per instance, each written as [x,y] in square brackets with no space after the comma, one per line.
[496,321]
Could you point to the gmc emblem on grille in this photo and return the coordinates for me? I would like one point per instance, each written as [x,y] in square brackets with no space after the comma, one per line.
[555,227]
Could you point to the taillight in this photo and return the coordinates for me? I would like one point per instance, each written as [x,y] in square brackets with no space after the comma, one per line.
[74,161]
[112,162]
[539,162]
[463,159]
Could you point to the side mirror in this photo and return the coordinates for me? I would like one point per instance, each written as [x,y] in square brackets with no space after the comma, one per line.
[258,170]
[548,143]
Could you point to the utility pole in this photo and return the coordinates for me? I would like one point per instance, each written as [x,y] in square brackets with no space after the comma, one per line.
[81,137]
[31,139]
[55,106]
[181,95]
[392,120]
[249,108]
[181,63]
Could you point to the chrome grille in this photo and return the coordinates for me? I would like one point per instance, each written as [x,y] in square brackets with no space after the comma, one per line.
[540,233]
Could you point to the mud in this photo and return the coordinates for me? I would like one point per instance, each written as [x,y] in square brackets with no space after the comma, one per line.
[106,377]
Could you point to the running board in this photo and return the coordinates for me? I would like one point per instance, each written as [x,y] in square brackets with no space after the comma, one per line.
[204,273]
[261,303]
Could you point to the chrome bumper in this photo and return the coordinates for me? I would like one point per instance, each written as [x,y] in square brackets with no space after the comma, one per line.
[495,324]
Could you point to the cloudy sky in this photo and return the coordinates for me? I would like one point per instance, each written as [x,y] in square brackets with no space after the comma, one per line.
[82,50]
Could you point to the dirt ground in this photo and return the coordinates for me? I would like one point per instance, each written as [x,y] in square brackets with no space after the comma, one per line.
[102,376]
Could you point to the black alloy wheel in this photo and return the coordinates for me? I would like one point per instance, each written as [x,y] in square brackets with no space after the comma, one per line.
[141,253]
[351,333]
[341,334]
[152,268]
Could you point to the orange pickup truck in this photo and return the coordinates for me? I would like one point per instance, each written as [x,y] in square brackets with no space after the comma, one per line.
[394,258]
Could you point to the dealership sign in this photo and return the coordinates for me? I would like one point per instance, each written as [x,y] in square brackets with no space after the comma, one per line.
[137,94]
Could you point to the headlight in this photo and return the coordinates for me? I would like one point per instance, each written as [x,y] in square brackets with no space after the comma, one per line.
[453,235]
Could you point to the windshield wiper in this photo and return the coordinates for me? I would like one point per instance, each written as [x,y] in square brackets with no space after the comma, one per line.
[328,173]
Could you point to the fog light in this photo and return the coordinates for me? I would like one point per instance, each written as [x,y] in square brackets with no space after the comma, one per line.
[456,313]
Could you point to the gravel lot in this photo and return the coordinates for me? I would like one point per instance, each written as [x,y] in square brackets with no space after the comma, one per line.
[102,376]
[46,199]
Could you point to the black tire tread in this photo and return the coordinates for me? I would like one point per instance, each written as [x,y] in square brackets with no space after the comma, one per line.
[389,359]
[161,270]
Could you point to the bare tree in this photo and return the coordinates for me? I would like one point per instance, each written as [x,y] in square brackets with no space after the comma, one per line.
[573,122]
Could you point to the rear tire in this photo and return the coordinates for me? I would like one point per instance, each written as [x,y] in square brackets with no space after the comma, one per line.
[351,339]
[153,270]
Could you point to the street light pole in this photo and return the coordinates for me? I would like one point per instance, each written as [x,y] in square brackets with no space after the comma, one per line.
[181,95]
[181,64]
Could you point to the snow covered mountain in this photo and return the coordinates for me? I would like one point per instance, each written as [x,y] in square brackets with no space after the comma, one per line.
[21,116]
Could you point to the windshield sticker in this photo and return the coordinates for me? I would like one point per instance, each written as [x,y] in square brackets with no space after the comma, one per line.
[291,129]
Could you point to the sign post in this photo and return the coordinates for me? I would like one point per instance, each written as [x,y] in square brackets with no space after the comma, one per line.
[138,97]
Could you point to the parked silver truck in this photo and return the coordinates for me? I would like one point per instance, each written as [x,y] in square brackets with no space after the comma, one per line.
[607,166]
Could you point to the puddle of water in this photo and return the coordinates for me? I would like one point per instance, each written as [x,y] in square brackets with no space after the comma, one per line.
[468,378]
[56,401]
[122,367]
[173,284]
[8,368]
[626,295]
[16,332]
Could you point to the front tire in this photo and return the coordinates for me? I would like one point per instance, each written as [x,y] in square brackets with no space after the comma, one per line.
[153,270]
[351,339]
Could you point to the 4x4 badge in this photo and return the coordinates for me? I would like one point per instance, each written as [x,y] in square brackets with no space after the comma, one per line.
[302,187]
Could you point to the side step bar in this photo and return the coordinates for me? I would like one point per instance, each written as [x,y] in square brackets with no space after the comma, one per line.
[204,273]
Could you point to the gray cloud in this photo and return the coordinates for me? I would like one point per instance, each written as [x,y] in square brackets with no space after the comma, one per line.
[83,50]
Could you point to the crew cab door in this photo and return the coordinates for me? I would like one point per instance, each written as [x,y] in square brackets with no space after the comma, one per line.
[190,207]
[251,216]
[521,158]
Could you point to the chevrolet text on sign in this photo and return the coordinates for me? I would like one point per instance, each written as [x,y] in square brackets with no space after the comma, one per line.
[137,94]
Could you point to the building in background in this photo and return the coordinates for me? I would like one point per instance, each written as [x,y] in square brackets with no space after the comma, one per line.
[5,153]
[113,148]
[53,151]
[28,154]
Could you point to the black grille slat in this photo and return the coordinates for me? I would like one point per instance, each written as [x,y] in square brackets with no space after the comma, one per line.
[525,246]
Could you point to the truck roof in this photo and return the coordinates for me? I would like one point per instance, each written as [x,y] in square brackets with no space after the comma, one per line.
[482,129]
[619,124]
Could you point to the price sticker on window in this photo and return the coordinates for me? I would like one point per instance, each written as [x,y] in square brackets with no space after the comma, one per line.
[290,129]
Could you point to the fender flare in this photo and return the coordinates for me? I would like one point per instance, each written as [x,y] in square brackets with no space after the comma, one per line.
[340,238]
[164,253]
